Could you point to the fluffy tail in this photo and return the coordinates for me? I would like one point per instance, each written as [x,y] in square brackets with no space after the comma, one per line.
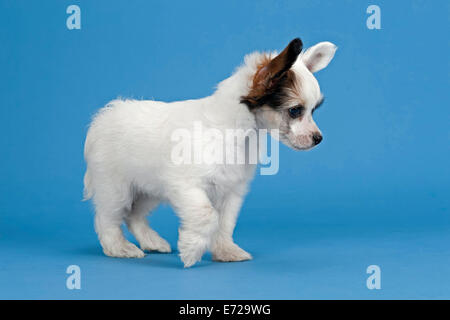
[88,192]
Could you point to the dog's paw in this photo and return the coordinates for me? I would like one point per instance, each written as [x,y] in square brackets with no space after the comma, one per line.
[153,242]
[190,258]
[124,249]
[230,252]
[191,252]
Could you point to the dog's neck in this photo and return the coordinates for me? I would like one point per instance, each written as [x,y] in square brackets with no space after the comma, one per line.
[230,91]
[240,82]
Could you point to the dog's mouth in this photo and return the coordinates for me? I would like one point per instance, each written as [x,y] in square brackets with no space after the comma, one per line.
[296,147]
[302,148]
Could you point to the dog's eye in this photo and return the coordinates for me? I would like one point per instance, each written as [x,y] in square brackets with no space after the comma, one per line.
[296,111]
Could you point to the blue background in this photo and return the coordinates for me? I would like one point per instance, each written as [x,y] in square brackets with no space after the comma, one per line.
[374,192]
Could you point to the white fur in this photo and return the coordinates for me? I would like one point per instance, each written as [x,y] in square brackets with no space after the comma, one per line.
[319,56]
[129,169]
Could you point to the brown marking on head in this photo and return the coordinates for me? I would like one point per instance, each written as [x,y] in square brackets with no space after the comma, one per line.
[272,76]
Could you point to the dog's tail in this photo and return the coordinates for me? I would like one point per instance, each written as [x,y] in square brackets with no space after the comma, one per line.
[88,190]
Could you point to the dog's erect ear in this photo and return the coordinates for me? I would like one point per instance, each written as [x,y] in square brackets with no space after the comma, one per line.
[319,56]
[268,74]
[272,70]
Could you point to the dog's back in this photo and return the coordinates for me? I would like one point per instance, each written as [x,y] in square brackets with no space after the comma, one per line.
[121,136]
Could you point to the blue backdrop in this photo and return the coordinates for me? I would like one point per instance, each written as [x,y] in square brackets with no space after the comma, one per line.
[374,192]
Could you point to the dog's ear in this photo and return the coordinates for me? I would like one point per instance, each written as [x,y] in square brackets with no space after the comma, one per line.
[268,74]
[271,71]
[319,56]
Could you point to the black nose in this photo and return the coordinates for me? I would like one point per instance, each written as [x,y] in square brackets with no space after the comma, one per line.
[317,137]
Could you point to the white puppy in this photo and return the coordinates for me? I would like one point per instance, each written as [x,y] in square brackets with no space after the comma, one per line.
[129,146]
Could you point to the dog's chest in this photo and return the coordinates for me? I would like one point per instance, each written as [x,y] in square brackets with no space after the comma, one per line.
[228,177]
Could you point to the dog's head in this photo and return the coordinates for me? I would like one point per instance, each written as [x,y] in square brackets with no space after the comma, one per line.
[284,93]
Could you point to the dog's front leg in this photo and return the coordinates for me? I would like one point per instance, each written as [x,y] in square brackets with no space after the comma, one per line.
[223,247]
[199,221]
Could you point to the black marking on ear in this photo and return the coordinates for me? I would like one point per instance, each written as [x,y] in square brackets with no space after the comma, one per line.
[277,96]
[271,79]
[289,55]
[294,49]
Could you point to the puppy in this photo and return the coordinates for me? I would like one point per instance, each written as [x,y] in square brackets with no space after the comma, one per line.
[129,148]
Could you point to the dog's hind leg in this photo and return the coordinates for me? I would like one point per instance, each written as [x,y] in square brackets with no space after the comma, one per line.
[137,223]
[111,208]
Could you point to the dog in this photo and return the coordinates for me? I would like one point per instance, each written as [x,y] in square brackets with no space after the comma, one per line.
[128,154]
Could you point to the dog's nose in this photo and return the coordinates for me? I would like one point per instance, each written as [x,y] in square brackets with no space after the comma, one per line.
[317,137]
